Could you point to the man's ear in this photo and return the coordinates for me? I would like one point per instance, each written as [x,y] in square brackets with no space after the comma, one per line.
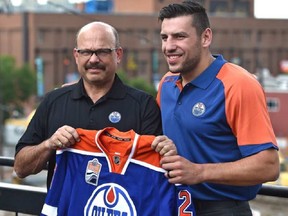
[206,37]
[119,53]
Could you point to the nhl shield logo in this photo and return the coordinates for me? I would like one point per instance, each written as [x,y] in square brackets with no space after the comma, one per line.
[116,159]
[198,109]
[93,171]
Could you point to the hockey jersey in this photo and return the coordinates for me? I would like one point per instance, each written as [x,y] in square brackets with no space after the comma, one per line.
[113,173]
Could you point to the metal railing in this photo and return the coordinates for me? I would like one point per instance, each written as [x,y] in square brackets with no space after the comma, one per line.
[20,198]
[30,199]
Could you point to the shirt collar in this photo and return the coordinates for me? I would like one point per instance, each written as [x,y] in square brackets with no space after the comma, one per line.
[209,74]
[117,90]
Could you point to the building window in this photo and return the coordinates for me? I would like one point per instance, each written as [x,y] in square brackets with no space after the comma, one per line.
[273,104]
[156,38]
[259,36]
[41,36]
[142,68]
[219,7]
[142,36]
[241,8]
[247,36]
[237,8]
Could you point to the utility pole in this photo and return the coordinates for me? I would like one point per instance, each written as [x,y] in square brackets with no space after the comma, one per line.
[1,134]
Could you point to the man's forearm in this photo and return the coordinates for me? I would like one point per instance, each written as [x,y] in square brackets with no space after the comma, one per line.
[32,159]
[247,171]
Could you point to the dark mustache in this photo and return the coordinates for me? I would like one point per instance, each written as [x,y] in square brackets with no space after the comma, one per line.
[95,66]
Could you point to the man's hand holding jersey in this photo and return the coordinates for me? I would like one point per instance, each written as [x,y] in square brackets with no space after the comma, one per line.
[166,148]
[64,137]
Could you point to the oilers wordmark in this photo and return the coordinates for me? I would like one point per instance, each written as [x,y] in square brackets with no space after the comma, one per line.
[101,211]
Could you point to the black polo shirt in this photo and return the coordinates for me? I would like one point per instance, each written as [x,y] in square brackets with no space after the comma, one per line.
[122,107]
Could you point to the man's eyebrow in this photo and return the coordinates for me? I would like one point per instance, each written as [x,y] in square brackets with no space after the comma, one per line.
[174,34]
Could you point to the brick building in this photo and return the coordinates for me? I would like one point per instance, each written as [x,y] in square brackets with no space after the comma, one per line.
[48,39]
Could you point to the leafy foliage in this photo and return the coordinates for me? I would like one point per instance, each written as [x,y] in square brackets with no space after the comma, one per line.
[25,83]
[16,84]
[138,83]
[7,69]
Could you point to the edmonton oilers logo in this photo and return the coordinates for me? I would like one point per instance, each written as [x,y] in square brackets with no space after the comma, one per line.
[110,199]
[115,117]
[198,109]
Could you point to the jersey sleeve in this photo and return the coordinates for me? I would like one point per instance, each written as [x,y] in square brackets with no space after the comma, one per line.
[246,108]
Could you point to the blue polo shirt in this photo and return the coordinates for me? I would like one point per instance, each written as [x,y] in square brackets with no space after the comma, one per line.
[216,118]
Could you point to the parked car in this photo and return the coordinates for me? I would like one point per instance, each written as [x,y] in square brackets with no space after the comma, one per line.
[14,129]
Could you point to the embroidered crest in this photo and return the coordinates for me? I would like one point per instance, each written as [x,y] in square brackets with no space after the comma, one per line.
[115,117]
[198,109]
[93,171]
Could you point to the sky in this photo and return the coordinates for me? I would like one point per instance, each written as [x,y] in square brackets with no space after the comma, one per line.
[271,9]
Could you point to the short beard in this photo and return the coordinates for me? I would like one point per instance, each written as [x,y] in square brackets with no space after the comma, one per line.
[189,66]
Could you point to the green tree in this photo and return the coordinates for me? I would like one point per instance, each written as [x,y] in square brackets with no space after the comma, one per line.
[123,76]
[143,85]
[16,84]
[25,83]
[7,69]
[138,83]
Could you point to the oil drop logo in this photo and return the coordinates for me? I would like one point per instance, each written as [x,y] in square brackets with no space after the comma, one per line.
[110,199]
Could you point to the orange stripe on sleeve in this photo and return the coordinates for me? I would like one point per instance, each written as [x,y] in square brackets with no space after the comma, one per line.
[245,105]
